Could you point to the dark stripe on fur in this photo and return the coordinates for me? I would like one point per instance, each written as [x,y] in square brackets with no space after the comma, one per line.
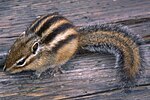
[36,24]
[103,36]
[48,23]
[57,31]
[112,27]
[64,42]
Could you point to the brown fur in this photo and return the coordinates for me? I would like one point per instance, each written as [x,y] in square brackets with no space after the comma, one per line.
[124,43]
[47,58]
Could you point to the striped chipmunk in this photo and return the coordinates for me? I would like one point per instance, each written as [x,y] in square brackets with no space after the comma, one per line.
[51,40]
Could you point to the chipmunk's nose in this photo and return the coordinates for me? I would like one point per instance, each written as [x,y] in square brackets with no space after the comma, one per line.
[6,70]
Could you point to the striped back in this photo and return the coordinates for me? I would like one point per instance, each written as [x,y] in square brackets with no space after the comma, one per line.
[54,30]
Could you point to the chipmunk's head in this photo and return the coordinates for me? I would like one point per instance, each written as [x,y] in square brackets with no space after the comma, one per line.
[25,54]
[50,40]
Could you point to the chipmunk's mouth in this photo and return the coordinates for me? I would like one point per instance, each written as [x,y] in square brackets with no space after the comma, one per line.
[10,70]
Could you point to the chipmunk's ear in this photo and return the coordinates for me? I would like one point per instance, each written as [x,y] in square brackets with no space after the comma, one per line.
[23,34]
[38,16]
[55,13]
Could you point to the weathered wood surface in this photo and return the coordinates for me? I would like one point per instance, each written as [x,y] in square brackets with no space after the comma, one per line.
[86,76]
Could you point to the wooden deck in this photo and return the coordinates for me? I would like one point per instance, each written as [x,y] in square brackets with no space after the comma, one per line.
[89,76]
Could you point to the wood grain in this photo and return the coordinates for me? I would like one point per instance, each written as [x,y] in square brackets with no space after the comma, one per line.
[89,76]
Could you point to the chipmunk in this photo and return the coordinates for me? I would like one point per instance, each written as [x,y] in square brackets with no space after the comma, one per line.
[51,40]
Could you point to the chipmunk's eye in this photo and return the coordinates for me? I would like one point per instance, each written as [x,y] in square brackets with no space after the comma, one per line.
[21,62]
[35,47]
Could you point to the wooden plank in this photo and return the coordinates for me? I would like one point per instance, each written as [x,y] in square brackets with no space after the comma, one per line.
[87,76]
